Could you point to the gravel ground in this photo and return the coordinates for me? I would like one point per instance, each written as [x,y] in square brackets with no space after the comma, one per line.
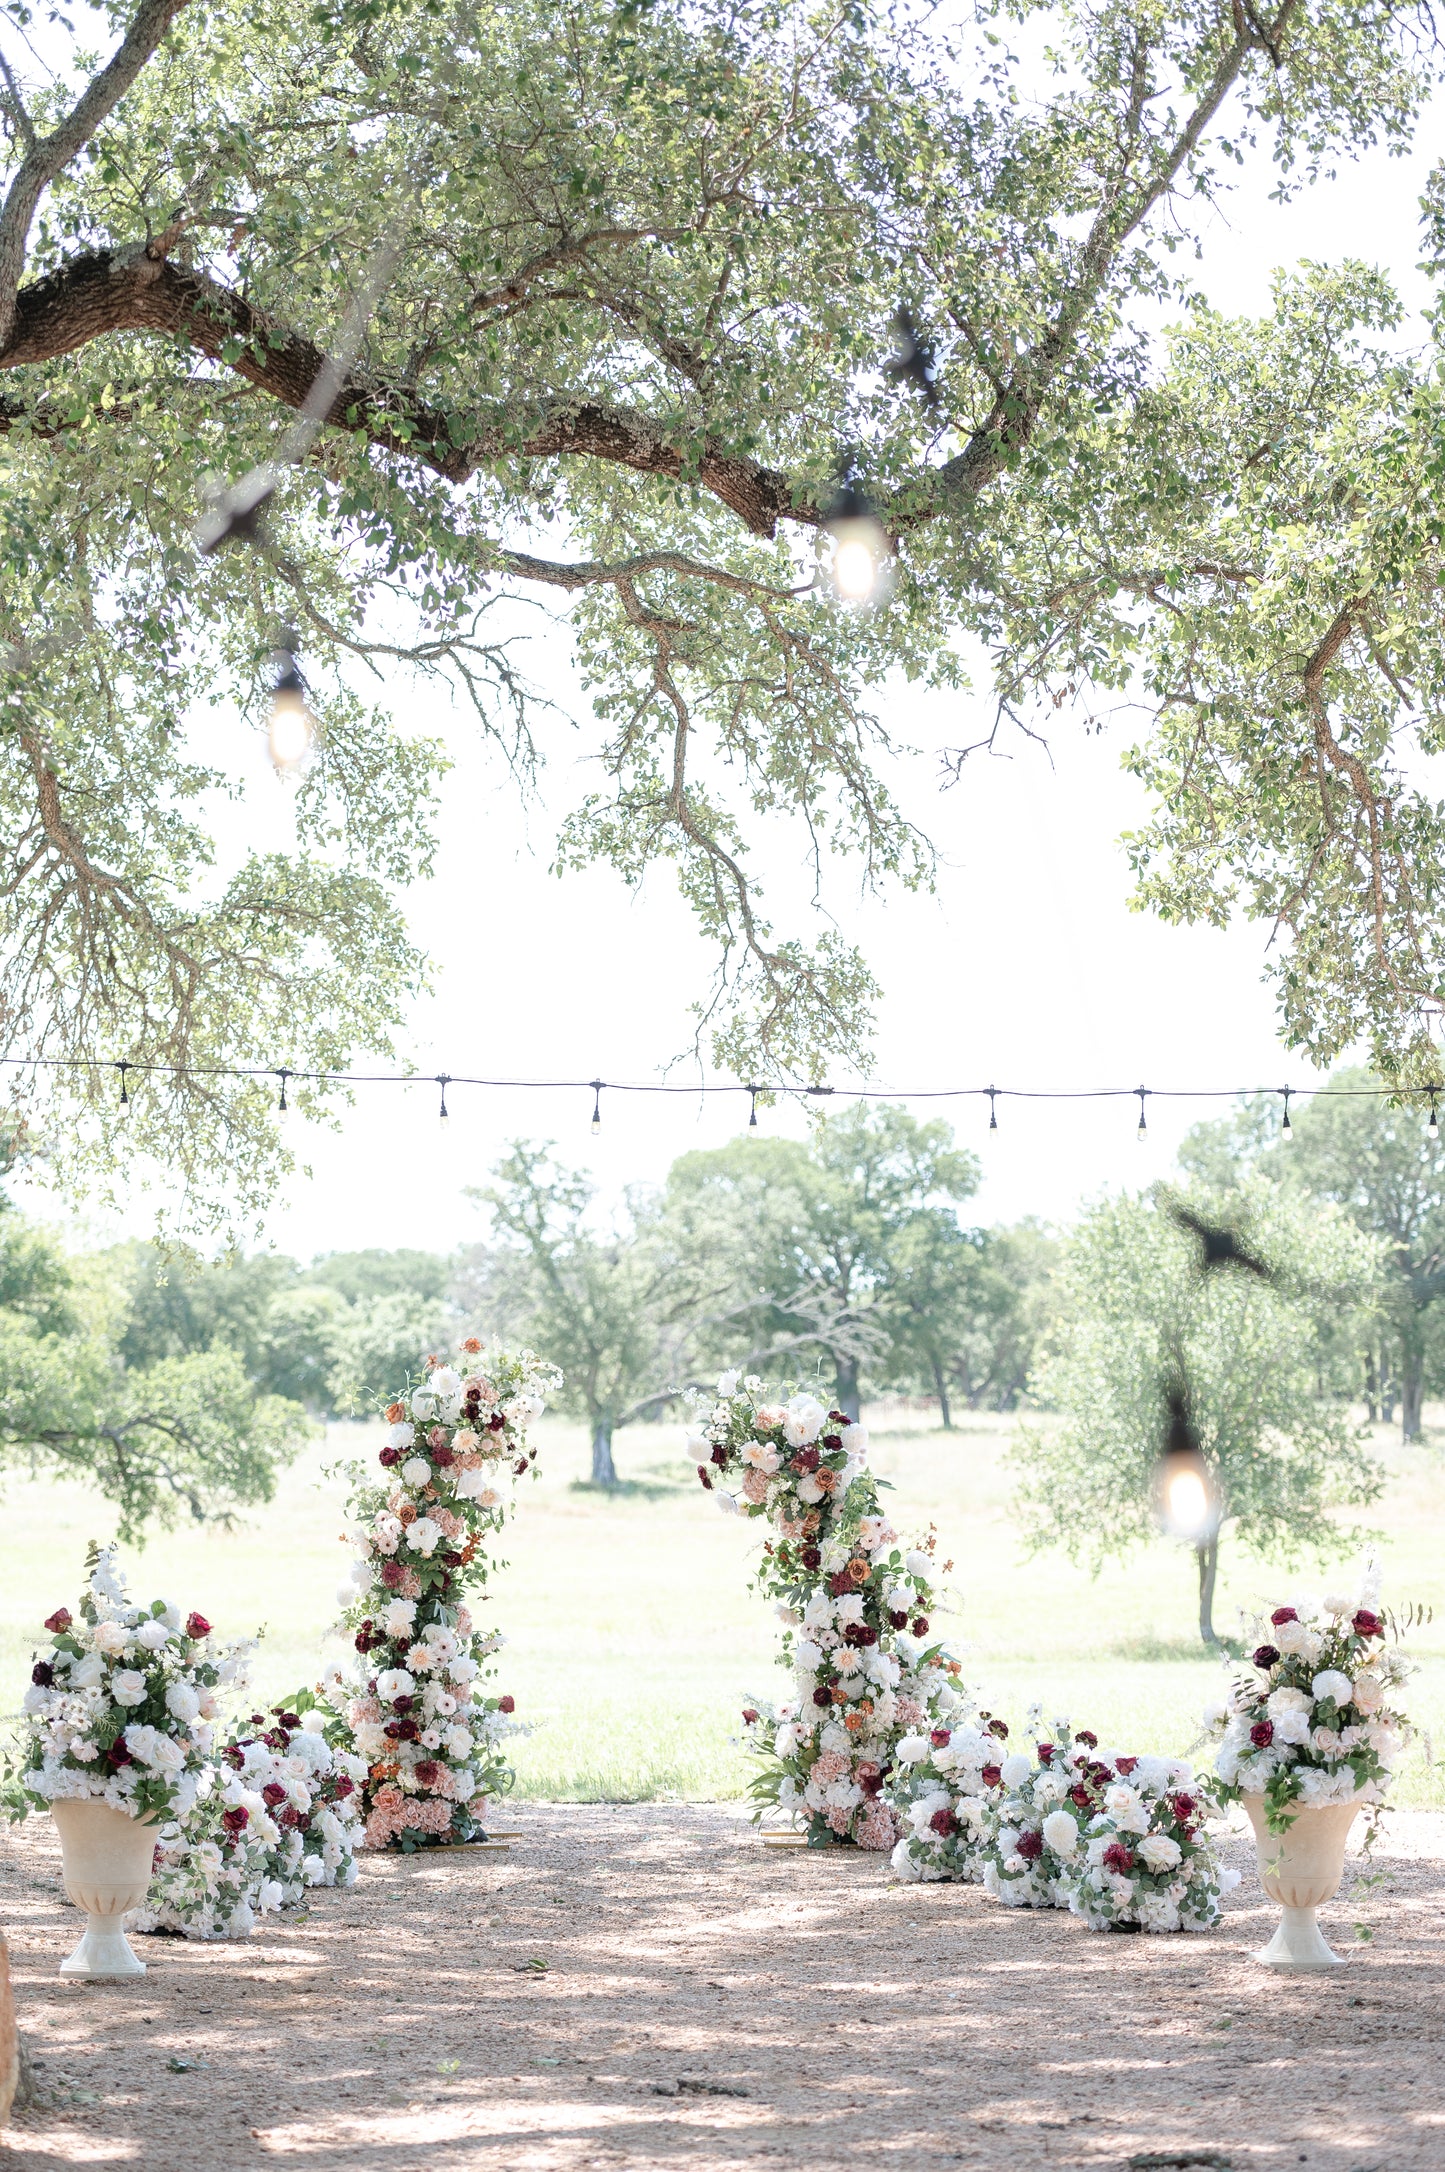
[649,1985]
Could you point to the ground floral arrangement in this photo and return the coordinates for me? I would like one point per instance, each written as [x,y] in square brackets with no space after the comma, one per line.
[1121,1841]
[412,1708]
[855,1603]
[1314,1718]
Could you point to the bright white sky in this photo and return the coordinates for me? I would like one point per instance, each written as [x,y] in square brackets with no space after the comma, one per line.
[1026,969]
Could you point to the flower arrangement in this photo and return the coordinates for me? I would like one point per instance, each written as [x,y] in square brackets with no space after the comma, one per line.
[121,1704]
[414,1710]
[280,1815]
[1119,1840]
[855,1604]
[1314,1718]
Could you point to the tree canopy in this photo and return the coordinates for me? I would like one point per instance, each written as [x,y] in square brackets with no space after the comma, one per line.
[641,265]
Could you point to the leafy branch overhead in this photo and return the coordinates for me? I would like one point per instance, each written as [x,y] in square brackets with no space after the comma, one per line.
[639,317]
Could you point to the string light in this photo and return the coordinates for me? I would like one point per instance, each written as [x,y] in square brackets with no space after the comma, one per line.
[596,1106]
[123,1067]
[753,1091]
[1432,1129]
[992,1092]
[860,545]
[444,1079]
[291,730]
[1141,1132]
[1183,1487]
[283,1105]
[1287,1128]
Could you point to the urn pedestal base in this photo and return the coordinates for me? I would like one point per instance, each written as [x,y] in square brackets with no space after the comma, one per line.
[107,1868]
[1301,1868]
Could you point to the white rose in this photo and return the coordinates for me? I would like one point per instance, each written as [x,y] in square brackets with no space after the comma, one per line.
[416,1470]
[855,1440]
[1015,1769]
[88,1673]
[110,1638]
[1368,1691]
[423,1536]
[154,1635]
[1061,1832]
[396,1682]
[727,1384]
[459,1742]
[445,1381]
[1331,1603]
[1159,1852]
[399,1617]
[1281,1701]
[422,1402]
[913,1749]
[919,1565]
[127,1686]
[699,1447]
[463,1670]
[1332,1687]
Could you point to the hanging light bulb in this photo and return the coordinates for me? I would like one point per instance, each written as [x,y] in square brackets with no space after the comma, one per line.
[1432,1128]
[1141,1131]
[753,1112]
[596,1106]
[991,1091]
[291,728]
[1286,1134]
[860,545]
[1184,1494]
[283,1106]
[123,1067]
[443,1080]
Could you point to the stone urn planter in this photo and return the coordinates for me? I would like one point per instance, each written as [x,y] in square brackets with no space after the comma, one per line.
[1301,1868]
[107,1867]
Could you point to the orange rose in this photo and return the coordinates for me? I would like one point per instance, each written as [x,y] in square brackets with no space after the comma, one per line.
[406,1513]
[858,1570]
[395,1412]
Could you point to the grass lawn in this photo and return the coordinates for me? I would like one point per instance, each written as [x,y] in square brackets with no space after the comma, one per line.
[634,1639]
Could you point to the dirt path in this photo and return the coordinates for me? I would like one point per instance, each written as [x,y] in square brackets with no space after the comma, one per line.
[820,2012]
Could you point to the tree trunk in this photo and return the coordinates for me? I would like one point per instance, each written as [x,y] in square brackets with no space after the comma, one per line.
[847,1371]
[940,1389]
[1372,1387]
[1208,1570]
[604,1470]
[1412,1391]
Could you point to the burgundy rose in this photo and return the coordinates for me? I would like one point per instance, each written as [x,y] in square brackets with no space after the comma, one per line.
[402,1704]
[806,1461]
[1366,1624]
[1000,1728]
[520,1465]
[450,1558]
[496,1423]
[42,1674]
[1090,1741]
[839,1417]
[749,1715]
[1046,1752]
[920,1625]
[898,1621]
[272,1794]
[442,1457]
[406,1729]
[1261,1734]
[1283,1614]
[822,1696]
[392,1574]
[235,1756]
[237,1819]
[390,1457]
[944,1823]
[1031,1846]
[117,1755]
[991,1775]
[428,1771]
[58,1622]
[812,1557]
[342,1786]
[1118,1857]
[940,1738]
[1080,1797]
[870,1780]
[506,1704]
[703,1474]
[1183,1806]
[1265,1655]
[832,1442]
[718,1456]
[288,1817]
[289,1720]
[1124,1766]
[841,1584]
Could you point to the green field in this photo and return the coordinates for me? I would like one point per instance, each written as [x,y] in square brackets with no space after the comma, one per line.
[633,1637]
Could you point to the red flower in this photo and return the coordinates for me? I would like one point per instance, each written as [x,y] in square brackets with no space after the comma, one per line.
[1046,1752]
[1265,1655]
[237,1819]
[58,1622]
[428,1771]
[442,1457]
[920,1625]
[506,1704]
[1084,1736]
[943,1822]
[991,1775]
[1124,1766]
[288,1817]
[822,1696]
[272,1794]
[1366,1624]
[1031,1846]
[940,1738]
[1118,1857]
[118,1755]
[1080,1797]
[402,1704]
[496,1423]
[832,1442]
[392,1573]
[1183,1806]
[42,1674]
[749,1715]
[520,1465]
[702,1472]
[389,1457]
[806,1461]
[719,1457]
[999,1728]
[899,1621]
[1261,1734]
[812,1557]
[841,1584]
[342,1786]
[1283,1614]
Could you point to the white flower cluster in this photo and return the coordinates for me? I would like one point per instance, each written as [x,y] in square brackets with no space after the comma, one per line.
[1119,1840]
[122,1704]
[1314,1718]
[853,1600]
[413,1710]
[278,1814]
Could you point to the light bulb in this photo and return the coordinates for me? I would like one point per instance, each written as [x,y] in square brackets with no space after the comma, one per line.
[292,728]
[1141,1132]
[124,1094]
[855,571]
[1187,1508]
[1432,1129]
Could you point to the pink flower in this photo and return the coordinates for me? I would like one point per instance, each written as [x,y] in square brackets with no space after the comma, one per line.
[877,1828]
